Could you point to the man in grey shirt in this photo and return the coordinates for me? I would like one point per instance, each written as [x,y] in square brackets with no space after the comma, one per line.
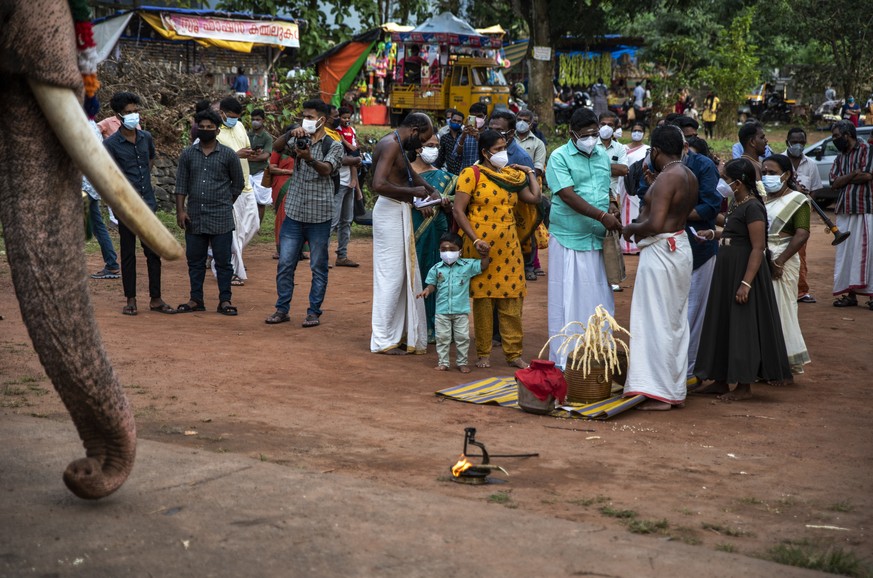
[309,209]
[210,177]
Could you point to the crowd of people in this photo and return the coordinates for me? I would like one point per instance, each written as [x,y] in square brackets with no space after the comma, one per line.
[721,244]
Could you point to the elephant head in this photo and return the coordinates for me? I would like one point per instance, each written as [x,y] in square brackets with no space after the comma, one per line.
[47,142]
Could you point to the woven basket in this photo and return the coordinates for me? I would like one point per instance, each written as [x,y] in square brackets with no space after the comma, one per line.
[597,386]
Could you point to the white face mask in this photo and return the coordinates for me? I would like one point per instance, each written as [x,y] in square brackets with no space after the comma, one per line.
[606,132]
[449,257]
[310,126]
[130,120]
[429,154]
[586,145]
[617,133]
[522,127]
[772,183]
[637,136]
[500,159]
[725,189]
[480,122]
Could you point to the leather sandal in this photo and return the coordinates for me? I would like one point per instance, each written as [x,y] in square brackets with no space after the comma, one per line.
[277,317]
[846,301]
[188,308]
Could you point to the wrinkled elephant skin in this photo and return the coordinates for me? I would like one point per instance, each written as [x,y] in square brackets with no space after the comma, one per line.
[41,213]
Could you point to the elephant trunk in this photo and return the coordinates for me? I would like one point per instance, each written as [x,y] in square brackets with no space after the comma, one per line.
[41,214]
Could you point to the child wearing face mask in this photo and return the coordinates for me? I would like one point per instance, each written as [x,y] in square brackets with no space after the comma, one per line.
[450,279]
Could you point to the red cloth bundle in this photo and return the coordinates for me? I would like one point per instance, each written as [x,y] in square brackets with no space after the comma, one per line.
[543,379]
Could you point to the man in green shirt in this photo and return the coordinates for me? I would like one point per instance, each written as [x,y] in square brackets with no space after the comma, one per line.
[262,146]
[578,173]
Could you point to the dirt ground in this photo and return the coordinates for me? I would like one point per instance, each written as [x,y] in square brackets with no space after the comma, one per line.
[791,465]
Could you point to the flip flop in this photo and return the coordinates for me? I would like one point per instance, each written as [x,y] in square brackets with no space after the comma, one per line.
[129,310]
[163,308]
[186,308]
[236,281]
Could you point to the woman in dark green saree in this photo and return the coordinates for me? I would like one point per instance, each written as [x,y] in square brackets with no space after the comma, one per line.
[432,222]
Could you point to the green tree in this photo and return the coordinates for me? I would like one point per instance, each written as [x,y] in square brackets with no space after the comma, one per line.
[845,28]
[320,33]
[734,67]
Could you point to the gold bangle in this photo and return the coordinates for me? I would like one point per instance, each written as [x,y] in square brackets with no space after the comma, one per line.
[746,284]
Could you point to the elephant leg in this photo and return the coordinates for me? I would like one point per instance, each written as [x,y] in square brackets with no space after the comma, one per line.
[42,216]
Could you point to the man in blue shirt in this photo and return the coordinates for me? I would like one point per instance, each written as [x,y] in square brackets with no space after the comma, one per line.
[578,174]
[737,148]
[241,83]
[465,151]
[134,152]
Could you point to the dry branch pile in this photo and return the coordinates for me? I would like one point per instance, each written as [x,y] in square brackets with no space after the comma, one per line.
[168,97]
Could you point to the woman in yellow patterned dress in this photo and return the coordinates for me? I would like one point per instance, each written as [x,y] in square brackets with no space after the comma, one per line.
[485,199]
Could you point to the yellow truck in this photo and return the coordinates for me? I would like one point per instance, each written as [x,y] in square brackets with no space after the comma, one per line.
[466,81]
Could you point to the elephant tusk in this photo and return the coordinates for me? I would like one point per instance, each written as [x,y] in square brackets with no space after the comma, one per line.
[67,119]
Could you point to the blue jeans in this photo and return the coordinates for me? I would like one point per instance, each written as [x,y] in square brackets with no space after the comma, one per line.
[292,236]
[98,227]
[196,247]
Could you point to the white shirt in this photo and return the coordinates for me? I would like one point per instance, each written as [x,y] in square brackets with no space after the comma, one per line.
[535,148]
[806,173]
[617,153]
[639,95]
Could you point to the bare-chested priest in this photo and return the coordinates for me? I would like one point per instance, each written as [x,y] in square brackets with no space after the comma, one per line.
[659,307]
[399,321]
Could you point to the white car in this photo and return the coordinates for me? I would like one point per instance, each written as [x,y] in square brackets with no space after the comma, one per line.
[823,153]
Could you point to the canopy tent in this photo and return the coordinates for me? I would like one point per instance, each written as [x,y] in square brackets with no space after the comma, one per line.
[229,30]
[496,29]
[338,67]
[446,28]
[610,43]
[516,51]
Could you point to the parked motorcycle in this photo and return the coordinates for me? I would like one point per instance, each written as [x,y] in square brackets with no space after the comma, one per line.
[564,110]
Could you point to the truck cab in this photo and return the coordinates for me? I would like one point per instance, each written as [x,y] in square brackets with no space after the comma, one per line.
[466,81]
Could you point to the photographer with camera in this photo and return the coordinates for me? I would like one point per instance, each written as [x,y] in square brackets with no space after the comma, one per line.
[309,209]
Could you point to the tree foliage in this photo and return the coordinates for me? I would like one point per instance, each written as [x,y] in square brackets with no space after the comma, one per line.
[734,68]
[327,22]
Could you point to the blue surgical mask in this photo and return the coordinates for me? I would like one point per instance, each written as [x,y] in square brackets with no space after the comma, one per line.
[522,127]
[772,183]
[130,121]
[230,122]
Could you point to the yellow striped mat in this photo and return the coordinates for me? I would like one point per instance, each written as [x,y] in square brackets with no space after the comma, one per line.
[503,391]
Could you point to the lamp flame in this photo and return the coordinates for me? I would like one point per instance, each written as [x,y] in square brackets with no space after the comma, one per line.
[462,466]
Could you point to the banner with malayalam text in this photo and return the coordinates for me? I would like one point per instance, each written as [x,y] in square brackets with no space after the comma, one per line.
[274,32]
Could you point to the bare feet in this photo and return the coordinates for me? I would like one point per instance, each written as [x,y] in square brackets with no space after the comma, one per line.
[741,391]
[464,368]
[714,388]
[519,363]
[655,405]
[442,367]
[483,362]
[395,351]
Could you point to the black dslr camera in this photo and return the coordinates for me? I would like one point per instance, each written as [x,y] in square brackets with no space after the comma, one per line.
[303,142]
